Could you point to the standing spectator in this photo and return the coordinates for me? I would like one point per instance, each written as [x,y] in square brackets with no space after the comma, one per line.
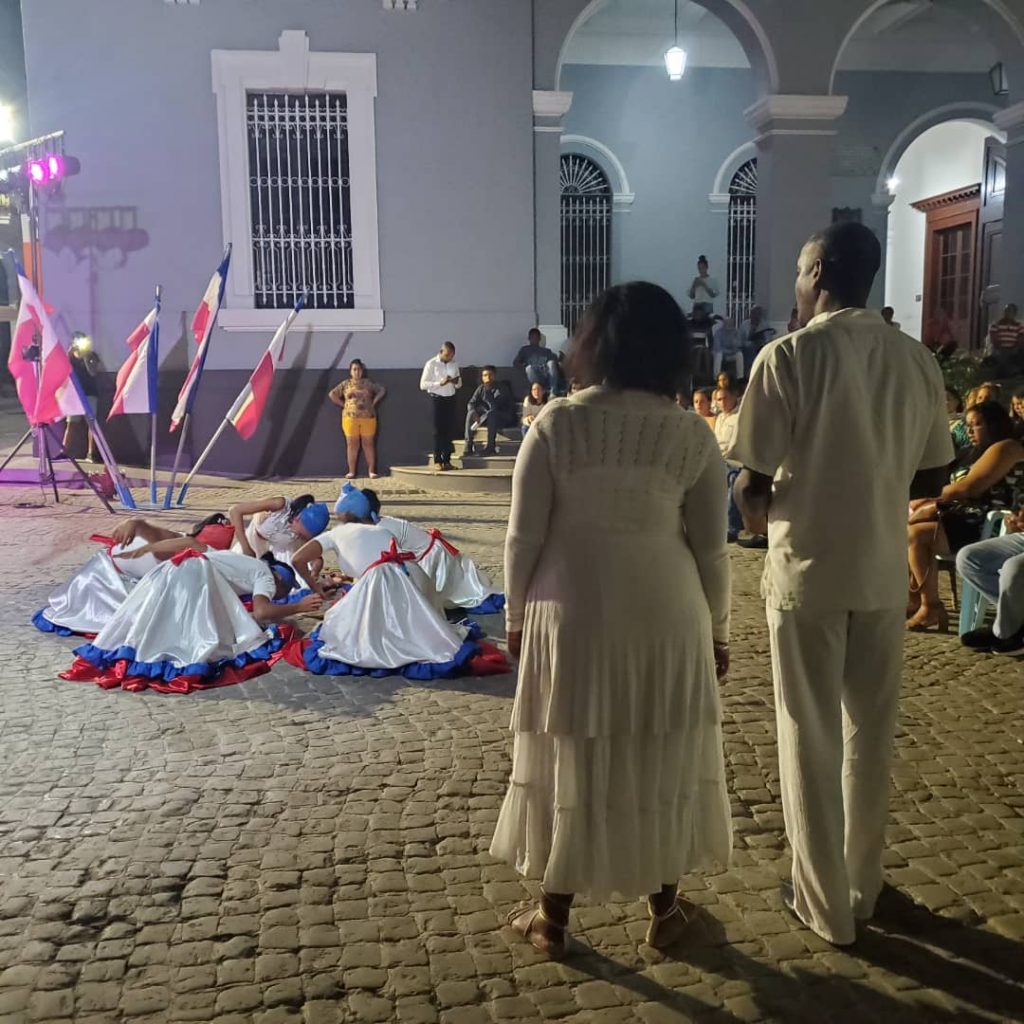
[358,398]
[702,407]
[829,481]
[493,407]
[754,334]
[532,405]
[617,581]
[703,291]
[938,334]
[887,315]
[87,366]
[441,379]
[1005,340]
[540,362]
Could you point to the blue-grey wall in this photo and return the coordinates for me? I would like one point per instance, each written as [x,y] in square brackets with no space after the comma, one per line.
[671,138]
[130,83]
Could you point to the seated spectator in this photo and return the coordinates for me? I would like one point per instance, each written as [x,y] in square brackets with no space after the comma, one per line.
[1017,413]
[541,364]
[724,380]
[952,520]
[492,406]
[794,321]
[887,315]
[683,400]
[938,334]
[725,344]
[728,404]
[1004,343]
[996,568]
[575,385]
[988,392]
[755,333]
[532,405]
[957,424]
[702,407]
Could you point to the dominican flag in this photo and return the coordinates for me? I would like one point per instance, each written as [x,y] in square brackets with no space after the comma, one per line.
[202,328]
[244,415]
[136,380]
[52,395]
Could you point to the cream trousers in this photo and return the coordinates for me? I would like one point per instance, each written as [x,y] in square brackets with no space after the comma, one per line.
[837,680]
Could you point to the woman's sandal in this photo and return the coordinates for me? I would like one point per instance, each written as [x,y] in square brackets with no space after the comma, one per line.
[524,920]
[922,622]
[668,928]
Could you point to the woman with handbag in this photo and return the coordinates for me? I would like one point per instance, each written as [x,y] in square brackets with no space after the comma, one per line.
[946,523]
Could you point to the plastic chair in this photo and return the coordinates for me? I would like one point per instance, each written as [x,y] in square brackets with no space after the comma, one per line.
[974,604]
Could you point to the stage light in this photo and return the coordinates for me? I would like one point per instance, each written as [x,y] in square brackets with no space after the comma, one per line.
[8,123]
[51,169]
[37,172]
[81,342]
[55,167]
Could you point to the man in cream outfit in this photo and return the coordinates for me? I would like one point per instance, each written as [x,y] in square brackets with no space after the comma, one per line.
[839,421]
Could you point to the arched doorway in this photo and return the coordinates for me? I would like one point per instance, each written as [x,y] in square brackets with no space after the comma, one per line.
[586,222]
[741,242]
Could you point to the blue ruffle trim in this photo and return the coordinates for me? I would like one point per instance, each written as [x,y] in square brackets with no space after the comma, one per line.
[167,670]
[422,671]
[493,604]
[44,625]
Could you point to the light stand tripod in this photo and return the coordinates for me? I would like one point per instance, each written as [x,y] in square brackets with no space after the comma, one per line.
[43,436]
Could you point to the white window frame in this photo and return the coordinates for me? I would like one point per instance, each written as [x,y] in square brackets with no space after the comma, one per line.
[292,67]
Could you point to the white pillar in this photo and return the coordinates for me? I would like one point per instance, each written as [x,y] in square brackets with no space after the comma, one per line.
[794,187]
[549,110]
[1011,268]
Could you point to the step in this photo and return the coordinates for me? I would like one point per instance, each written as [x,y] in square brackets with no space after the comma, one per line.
[505,446]
[507,433]
[464,481]
[506,462]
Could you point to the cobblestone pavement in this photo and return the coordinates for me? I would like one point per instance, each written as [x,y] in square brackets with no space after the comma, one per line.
[309,850]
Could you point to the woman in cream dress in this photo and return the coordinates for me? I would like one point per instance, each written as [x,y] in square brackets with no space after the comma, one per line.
[617,583]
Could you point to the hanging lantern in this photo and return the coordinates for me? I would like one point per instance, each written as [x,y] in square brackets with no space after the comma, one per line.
[675,56]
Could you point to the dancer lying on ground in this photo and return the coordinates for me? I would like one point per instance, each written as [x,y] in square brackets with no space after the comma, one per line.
[277,525]
[183,626]
[86,601]
[387,623]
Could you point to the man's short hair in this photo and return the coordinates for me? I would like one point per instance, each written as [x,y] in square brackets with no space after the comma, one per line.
[533,331]
[449,345]
[489,369]
[850,255]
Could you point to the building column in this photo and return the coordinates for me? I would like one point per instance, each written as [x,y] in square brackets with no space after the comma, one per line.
[549,110]
[878,221]
[1011,269]
[794,187]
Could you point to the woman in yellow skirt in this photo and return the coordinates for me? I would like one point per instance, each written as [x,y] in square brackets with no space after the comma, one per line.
[358,398]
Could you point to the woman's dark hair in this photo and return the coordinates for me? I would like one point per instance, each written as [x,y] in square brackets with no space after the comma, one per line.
[217,519]
[996,418]
[633,336]
[953,393]
[357,362]
[296,505]
[371,497]
[273,563]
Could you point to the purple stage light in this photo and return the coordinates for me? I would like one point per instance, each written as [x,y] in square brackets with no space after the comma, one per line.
[37,171]
[55,165]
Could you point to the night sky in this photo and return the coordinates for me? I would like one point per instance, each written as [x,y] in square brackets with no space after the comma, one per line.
[12,61]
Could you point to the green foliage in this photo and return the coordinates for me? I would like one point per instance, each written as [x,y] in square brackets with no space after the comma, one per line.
[962,373]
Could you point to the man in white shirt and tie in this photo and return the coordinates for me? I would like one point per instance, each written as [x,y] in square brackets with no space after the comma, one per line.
[441,379]
[828,476]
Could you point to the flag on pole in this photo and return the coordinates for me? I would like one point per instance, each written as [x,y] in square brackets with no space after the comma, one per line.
[46,387]
[136,380]
[202,328]
[244,415]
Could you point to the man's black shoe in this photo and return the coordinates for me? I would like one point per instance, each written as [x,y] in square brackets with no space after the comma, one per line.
[731,537]
[1011,645]
[979,639]
[757,541]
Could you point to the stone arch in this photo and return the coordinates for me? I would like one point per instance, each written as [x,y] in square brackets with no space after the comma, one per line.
[968,110]
[622,196]
[719,194]
[994,15]
[735,14]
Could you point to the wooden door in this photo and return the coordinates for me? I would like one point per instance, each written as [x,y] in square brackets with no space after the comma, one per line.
[950,265]
[990,242]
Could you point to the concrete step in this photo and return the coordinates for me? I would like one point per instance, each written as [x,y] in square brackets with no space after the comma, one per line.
[505,445]
[509,433]
[464,481]
[506,462]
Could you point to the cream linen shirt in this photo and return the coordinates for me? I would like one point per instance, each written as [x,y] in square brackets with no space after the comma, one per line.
[434,372]
[841,415]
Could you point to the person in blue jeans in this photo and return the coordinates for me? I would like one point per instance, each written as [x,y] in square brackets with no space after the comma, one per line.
[493,407]
[541,363]
[995,568]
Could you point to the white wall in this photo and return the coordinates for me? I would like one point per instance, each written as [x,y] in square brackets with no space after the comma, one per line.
[948,156]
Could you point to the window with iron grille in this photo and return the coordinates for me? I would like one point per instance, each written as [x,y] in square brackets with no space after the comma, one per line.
[586,215]
[741,245]
[299,198]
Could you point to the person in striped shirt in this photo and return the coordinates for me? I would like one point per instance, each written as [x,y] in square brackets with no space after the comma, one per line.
[1005,341]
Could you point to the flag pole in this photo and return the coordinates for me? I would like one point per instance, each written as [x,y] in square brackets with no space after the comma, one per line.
[289,320]
[187,419]
[155,356]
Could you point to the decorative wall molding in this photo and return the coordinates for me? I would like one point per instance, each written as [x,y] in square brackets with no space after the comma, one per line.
[793,107]
[622,196]
[551,103]
[400,5]
[293,66]
[953,198]
[1010,117]
[190,3]
[719,195]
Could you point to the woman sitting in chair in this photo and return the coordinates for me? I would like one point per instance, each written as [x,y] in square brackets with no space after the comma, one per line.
[948,522]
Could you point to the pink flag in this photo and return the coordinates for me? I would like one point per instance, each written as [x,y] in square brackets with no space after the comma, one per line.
[202,328]
[46,389]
